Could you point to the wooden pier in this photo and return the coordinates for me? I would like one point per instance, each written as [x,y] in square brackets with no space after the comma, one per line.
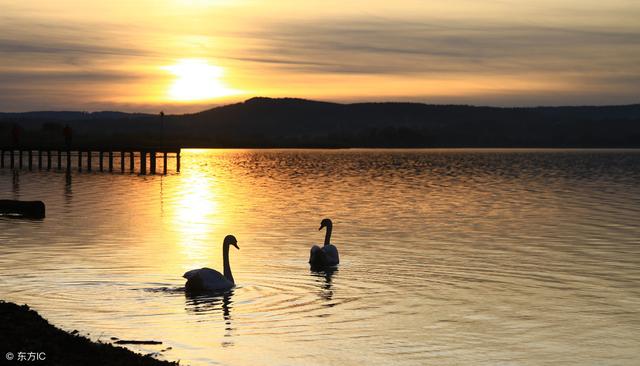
[85,158]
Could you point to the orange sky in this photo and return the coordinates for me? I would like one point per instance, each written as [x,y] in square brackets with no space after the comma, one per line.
[186,55]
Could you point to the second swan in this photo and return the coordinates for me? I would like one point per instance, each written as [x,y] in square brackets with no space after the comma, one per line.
[327,255]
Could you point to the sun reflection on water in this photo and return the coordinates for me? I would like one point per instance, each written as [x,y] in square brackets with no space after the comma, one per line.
[195,215]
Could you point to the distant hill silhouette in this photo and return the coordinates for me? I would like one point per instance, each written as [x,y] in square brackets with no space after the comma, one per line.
[289,122]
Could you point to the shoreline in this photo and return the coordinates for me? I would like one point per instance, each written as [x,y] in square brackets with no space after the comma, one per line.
[25,336]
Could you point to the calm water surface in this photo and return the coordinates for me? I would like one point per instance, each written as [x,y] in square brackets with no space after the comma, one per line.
[450,257]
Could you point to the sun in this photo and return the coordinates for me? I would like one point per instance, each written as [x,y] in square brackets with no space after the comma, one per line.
[197,80]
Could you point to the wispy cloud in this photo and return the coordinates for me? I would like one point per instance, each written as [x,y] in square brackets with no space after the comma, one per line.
[401,46]
[52,64]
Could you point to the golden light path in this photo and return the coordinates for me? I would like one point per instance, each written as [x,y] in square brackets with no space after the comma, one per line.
[196,217]
[199,209]
[197,80]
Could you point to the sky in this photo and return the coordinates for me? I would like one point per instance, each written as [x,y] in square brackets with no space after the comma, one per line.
[188,55]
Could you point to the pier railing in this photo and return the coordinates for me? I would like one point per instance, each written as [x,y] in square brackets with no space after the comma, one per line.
[81,158]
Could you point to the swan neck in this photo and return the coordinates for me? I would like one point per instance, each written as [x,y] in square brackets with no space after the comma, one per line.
[327,236]
[227,266]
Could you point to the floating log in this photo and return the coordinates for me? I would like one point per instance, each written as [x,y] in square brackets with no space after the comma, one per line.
[30,209]
[123,341]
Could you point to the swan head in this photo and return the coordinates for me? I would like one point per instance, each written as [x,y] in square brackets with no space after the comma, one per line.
[325,223]
[231,240]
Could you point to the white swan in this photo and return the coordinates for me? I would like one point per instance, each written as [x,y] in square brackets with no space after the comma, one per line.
[326,256]
[207,279]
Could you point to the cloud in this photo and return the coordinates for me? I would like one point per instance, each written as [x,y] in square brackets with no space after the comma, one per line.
[49,46]
[61,77]
[52,64]
[402,46]
[21,36]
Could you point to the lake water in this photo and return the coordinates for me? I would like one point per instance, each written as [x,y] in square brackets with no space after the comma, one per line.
[449,257]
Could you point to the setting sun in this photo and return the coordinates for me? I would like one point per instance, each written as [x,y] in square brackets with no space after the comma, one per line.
[196,80]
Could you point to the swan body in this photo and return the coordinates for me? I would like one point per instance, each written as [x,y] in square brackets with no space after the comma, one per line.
[327,255]
[207,279]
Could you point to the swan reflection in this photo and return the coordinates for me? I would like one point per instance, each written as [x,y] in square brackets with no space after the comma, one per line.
[212,304]
[323,279]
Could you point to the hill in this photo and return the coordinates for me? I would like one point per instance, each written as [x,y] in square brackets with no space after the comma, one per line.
[289,122]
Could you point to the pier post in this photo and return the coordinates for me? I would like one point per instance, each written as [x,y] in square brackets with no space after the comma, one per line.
[121,161]
[178,161]
[101,157]
[30,153]
[89,160]
[79,160]
[152,162]
[20,159]
[12,159]
[143,162]
[110,161]
[48,159]
[59,159]
[132,163]
[39,159]
[68,160]
[2,159]
[164,163]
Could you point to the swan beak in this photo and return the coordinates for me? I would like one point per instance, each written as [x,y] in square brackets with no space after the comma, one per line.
[236,245]
[320,228]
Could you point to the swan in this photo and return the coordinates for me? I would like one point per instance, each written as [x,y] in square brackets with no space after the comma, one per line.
[326,256]
[207,279]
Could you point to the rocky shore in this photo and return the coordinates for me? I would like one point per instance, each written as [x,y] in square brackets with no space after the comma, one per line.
[27,338]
